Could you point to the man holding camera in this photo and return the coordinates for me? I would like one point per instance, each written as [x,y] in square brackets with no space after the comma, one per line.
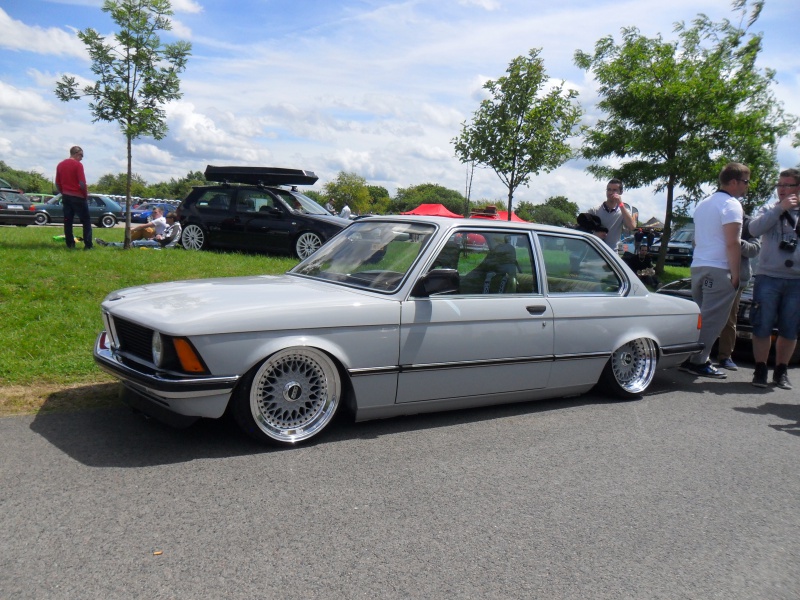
[776,295]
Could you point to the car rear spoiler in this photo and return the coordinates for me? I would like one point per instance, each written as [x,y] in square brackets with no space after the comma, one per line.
[260,175]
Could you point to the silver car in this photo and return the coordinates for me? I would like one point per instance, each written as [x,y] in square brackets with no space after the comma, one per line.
[393,316]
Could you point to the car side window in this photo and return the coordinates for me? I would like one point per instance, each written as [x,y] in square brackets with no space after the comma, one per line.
[489,262]
[253,201]
[574,266]
[214,200]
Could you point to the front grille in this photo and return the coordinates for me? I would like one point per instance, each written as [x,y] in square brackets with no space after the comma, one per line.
[134,339]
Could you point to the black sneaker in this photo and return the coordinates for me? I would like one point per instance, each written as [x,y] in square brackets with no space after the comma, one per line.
[780,377]
[760,375]
[704,370]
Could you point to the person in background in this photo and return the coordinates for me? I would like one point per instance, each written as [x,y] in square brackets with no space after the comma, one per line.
[776,294]
[716,262]
[727,339]
[638,237]
[71,184]
[613,214]
[641,264]
[150,230]
[169,239]
[345,214]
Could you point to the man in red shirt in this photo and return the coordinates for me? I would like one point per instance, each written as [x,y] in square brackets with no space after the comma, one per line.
[71,184]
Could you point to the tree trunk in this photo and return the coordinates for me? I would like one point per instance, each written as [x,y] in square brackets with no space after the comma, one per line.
[128,198]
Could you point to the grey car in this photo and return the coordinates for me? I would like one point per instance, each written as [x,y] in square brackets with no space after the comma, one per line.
[393,316]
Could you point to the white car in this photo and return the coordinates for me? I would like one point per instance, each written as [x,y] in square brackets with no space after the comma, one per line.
[396,315]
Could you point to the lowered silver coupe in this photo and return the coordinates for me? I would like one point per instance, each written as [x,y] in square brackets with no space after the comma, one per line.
[396,315]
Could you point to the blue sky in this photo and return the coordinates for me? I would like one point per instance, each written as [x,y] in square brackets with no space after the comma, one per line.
[375,87]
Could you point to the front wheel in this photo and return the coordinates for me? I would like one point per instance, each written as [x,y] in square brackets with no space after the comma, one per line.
[41,219]
[194,238]
[292,396]
[307,244]
[107,221]
[630,370]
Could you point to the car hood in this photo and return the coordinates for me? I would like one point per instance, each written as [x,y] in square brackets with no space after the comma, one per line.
[241,304]
[332,219]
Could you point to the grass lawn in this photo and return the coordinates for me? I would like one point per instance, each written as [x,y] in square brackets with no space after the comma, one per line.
[50,301]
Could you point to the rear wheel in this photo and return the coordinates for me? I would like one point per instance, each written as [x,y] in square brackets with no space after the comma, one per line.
[307,243]
[292,396]
[41,219]
[194,238]
[107,221]
[630,370]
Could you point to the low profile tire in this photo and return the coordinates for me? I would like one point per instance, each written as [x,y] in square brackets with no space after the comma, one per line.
[630,370]
[107,221]
[307,243]
[41,219]
[290,397]
[194,238]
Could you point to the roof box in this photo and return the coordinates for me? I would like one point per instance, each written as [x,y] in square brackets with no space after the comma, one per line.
[260,175]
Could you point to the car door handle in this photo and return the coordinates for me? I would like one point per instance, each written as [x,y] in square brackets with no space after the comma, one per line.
[536,310]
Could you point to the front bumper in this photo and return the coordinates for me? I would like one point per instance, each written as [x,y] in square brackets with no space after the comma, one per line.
[181,395]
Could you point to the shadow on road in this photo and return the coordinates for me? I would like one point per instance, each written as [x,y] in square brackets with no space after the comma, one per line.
[788,412]
[118,437]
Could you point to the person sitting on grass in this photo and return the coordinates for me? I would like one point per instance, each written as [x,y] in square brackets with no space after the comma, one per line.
[169,239]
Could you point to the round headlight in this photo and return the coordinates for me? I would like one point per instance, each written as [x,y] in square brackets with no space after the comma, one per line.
[157,346]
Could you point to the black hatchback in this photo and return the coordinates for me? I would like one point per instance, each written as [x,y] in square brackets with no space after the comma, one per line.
[250,210]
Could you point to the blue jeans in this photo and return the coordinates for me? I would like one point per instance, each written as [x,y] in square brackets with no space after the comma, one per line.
[76,206]
[775,301]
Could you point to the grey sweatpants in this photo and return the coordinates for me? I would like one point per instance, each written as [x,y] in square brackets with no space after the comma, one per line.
[714,293]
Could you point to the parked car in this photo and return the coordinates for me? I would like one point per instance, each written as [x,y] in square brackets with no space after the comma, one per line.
[16,208]
[40,198]
[143,212]
[396,315]
[103,211]
[258,215]
[680,248]
[682,288]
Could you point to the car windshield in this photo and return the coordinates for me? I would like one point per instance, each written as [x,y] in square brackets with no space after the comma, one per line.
[374,255]
[684,235]
[300,203]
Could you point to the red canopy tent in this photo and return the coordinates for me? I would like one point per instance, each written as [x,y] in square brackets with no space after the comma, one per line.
[432,210]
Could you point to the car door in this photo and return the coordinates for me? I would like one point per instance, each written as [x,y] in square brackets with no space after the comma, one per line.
[587,292]
[264,221]
[213,210]
[493,336]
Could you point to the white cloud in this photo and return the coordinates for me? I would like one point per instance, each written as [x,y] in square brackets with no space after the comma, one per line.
[186,6]
[19,108]
[52,40]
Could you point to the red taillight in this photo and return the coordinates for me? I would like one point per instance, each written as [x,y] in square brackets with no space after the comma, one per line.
[32,208]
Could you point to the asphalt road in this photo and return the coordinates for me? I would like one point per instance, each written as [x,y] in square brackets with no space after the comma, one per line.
[692,492]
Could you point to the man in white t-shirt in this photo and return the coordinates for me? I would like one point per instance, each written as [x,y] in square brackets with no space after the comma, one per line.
[716,261]
[150,230]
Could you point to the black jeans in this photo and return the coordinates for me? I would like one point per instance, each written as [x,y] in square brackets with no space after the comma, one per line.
[76,206]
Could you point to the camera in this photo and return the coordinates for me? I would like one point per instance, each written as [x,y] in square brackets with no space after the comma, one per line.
[788,245]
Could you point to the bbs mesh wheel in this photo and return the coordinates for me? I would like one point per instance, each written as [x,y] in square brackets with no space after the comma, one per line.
[630,370]
[292,396]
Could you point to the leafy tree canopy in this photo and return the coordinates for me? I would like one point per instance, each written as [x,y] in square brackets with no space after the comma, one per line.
[350,189]
[556,210]
[27,181]
[427,193]
[521,130]
[675,112]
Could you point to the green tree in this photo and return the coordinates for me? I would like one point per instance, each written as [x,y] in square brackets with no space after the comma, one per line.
[677,111]
[27,181]
[137,75]
[427,193]
[556,210]
[379,199]
[350,189]
[522,129]
[120,183]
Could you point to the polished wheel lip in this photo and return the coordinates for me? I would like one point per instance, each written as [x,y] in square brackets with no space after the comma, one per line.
[41,220]
[193,237]
[294,394]
[634,365]
[107,221]
[307,244]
